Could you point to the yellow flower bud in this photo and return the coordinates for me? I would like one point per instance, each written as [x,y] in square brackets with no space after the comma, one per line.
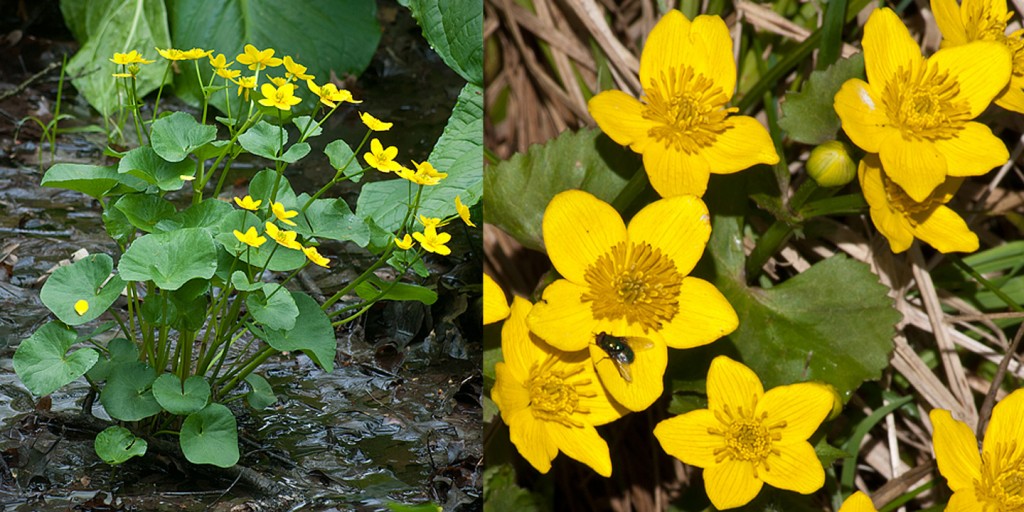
[830,164]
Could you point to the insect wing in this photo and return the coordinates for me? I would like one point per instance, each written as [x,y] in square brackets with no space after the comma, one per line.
[623,369]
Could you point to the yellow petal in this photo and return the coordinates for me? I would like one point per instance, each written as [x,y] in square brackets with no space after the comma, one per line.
[973,151]
[620,117]
[668,45]
[732,384]
[947,232]
[510,394]
[562,319]
[674,173]
[1013,97]
[892,224]
[887,47]
[982,69]
[495,303]
[647,373]
[801,406]
[81,307]
[704,316]
[677,226]
[583,444]
[956,450]
[947,17]
[686,438]
[915,165]
[712,55]
[863,115]
[794,468]
[731,484]
[965,500]
[858,501]
[519,348]
[530,436]
[994,9]
[579,228]
[1007,423]
[746,143]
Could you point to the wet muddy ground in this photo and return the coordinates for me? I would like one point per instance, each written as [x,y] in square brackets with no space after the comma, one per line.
[397,422]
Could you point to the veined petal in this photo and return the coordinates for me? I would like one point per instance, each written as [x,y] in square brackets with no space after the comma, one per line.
[562,319]
[1007,422]
[794,468]
[746,143]
[863,115]
[578,229]
[686,437]
[915,165]
[892,224]
[731,484]
[677,226]
[802,406]
[965,500]
[858,501]
[733,384]
[620,116]
[1013,97]
[973,152]
[668,45]
[704,316]
[982,68]
[887,47]
[712,55]
[956,450]
[674,173]
[532,440]
[947,17]
[947,232]
[520,349]
[647,372]
[993,8]
[510,394]
[583,444]
[601,408]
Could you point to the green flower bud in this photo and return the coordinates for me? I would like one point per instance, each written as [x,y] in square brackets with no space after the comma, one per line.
[830,164]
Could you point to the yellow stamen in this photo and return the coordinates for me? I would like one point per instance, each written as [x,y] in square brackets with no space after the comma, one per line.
[688,107]
[636,282]
[922,102]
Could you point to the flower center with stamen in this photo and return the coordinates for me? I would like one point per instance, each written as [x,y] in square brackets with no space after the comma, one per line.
[689,109]
[922,102]
[555,393]
[1001,487]
[636,282]
[982,25]
[914,211]
[746,437]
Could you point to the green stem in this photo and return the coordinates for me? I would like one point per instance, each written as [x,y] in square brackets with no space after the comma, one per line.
[1012,304]
[160,91]
[261,356]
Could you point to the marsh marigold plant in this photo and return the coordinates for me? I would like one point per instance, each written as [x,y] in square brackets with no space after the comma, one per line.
[682,124]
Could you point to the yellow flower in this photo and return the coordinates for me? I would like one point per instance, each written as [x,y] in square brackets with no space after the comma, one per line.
[245,83]
[984,20]
[901,219]
[230,74]
[550,399]
[248,203]
[283,237]
[628,282]
[495,304]
[315,257]
[330,95]
[411,175]
[747,437]
[681,123]
[281,97]
[283,214]
[258,59]
[915,113]
[132,57]
[81,307]
[430,222]
[277,81]
[374,124]
[382,159]
[858,502]
[990,481]
[405,243]
[427,172]
[250,237]
[220,61]
[433,241]
[295,71]
[175,54]
[463,212]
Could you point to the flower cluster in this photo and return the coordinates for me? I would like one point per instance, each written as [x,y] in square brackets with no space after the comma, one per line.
[284,238]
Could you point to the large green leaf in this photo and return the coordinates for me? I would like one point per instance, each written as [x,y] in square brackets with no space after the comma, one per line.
[459,152]
[312,334]
[177,397]
[808,115]
[454,28]
[209,214]
[520,188]
[262,395]
[43,364]
[127,395]
[144,211]
[170,259]
[267,140]
[331,218]
[210,436]
[121,350]
[95,181]
[272,306]
[117,444]
[82,280]
[342,159]
[177,135]
[110,26]
[145,164]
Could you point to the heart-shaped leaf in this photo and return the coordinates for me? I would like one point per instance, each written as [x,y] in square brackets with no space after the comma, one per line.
[262,395]
[313,333]
[145,164]
[181,398]
[210,436]
[273,307]
[170,259]
[86,279]
[43,364]
[331,218]
[127,395]
[92,180]
[177,135]
[341,158]
[121,351]
[266,140]
[117,444]
[144,211]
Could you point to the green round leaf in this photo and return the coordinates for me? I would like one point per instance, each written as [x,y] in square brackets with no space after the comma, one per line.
[144,211]
[273,307]
[127,395]
[145,164]
[339,154]
[43,364]
[331,218]
[177,135]
[178,398]
[92,180]
[210,436]
[121,351]
[82,280]
[313,333]
[170,259]
[262,395]
[117,444]
[266,140]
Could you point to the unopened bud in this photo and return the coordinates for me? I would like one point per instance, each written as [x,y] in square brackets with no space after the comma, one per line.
[830,164]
